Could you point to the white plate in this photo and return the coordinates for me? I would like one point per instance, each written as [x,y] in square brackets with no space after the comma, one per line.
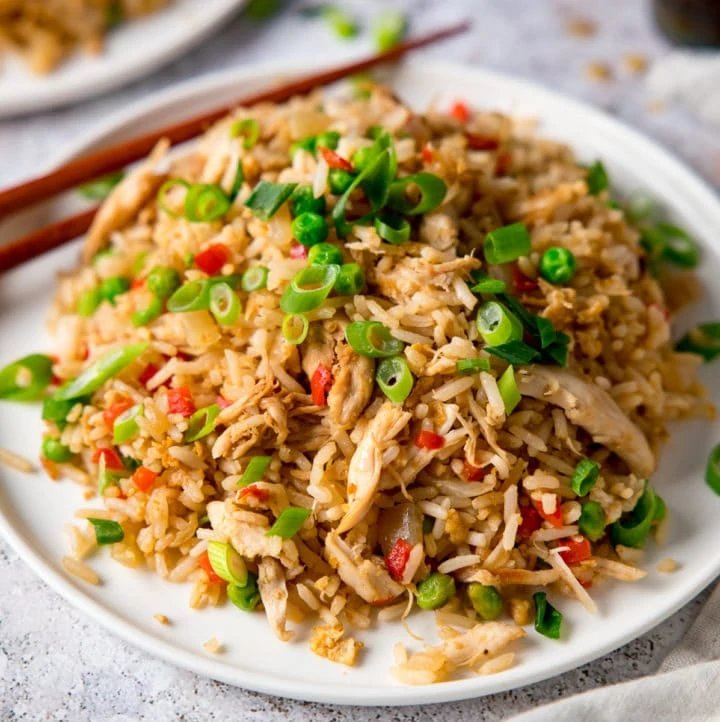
[34,509]
[132,50]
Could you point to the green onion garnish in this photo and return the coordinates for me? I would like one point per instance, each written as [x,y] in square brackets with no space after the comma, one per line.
[162,194]
[54,450]
[267,198]
[105,478]
[255,470]
[585,476]
[393,229]
[470,366]
[497,325]
[596,178]
[307,144]
[509,390]
[246,597]
[486,601]
[669,243]
[557,265]
[703,340]
[435,591]
[26,379]
[394,378]
[57,411]
[88,302]
[147,315]
[99,189]
[350,280]
[487,284]
[225,305]
[107,531]
[295,327]
[303,201]
[163,281]
[639,207]
[254,279]
[113,287]
[238,180]
[139,263]
[712,471]
[201,423]
[206,202]
[309,288]
[372,339]
[191,296]
[341,23]
[389,29]
[227,563]
[632,530]
[126,426]
[309,229]
[325,254]
[328,139]
[507,244]
[431,189]
[592,520]
[101,371]
[514,352]
[547,619]
[288,524]
[248,129]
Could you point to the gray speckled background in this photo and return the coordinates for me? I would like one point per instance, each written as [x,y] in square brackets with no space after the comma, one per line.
[54,663]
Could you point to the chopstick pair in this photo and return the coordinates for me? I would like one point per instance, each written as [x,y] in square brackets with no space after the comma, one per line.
[99,163]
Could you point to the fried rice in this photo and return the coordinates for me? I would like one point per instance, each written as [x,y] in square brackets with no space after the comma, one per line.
[46,32]
[453,482]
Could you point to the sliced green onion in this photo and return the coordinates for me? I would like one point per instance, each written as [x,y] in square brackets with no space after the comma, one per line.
[165,188]
[99,189]
[712,471]
[487,284]
[389,29]
[202,423]
[126,426]
[88,302]
[435,591]
[703,340]
[106,478]
[309,288]
[507,244]
[596,178]
[227,563]
[191,296]
[267,198]
[362,157]
[342,24]
[325,254]
[289,523]
[57,411]
[632,529]
[547,619]
[295,327]
[55,450]
[431,188]
[558,351]
[497,325]
[310,229]
[639,206]
[246,597]
[507,386]
[339,180]
[470,366]
[372,339]
[672,244]
[107,531]
[546,331]
[585,476]
[26,379]
[147,315]
[660,508]
[189,259]
[254,279]
[225,305]
[100,255]
[131,464]
[486,601]
[307,144]
[113,287]
[328,139]
[111,364]
[350,280]
[557,265]
[163,281]
[592,520]
[255,470]
[206,202]
[139,263]
[393,229]
[394,378]
[248,129]
[303,201]
[517,353]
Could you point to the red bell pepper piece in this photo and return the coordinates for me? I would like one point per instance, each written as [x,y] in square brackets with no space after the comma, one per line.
[397,559]
[578,550]
[143,478]
[320,385]
[429,440]
[180,401]
[334,160]
[212,259]
[113,462]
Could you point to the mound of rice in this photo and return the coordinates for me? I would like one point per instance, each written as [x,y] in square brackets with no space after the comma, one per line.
[462,505]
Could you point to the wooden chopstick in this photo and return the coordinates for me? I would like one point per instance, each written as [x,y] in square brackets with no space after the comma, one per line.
[99,163]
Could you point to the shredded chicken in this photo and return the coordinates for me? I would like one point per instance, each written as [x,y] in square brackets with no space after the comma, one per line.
[274,595]
[352,387]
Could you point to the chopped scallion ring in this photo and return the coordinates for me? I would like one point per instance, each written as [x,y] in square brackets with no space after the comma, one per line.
[547,619]
[470,366]
[289,523]
[597,178]
[107,531]
[497,324]
[509,390]
[372,339]
[246,597]
[26,379]
[514,352]
[394,378]
[254,279]
[393,229]
[227,563]
[162,194]
[147,315]
[592,520]
[431,189]
[350,280]
[255,470]
[248,129]
[632,529]
[295,328]
[126,426]
[309,288]
[584,478]
[267,198]
[99,189]
[487,284]
[206,202]
[712,471]
[225,305]
[507,244]
[201,423]
[703,340]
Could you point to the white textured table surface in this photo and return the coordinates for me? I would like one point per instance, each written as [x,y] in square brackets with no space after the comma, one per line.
[54,663]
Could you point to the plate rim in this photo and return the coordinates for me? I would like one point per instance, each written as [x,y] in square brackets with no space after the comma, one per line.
[349,695]
[68,92]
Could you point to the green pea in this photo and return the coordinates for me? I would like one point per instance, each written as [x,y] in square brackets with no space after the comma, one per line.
[339,180]
[88,302]
[435,591]
[310,229]
[53,450]
[163,281]
[325,254]
[328,139]
[110,288]
[486,601]
[303,201]
[557,265]
[592,520]
[350,280]
[362,156]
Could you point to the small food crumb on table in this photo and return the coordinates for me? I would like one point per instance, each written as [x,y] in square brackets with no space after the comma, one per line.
[598,72]
[668,566]
[213,646]
[581,27]
[635,63]
[161,618]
